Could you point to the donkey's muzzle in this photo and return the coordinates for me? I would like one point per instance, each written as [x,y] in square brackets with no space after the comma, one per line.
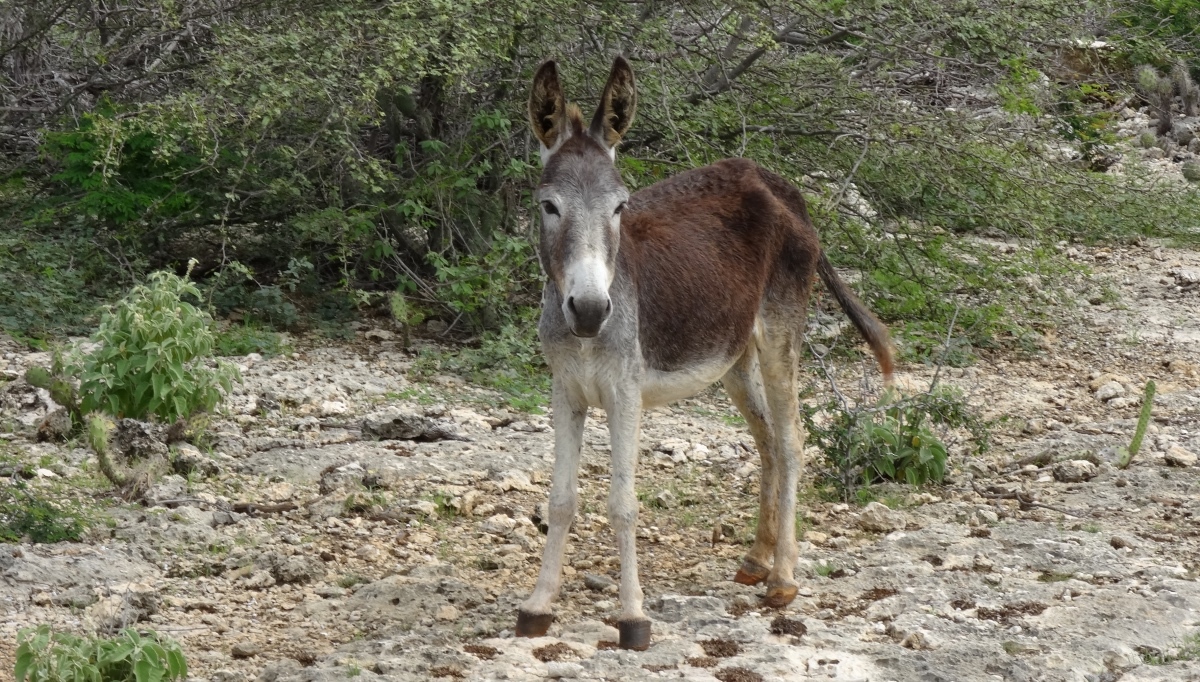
[585,316]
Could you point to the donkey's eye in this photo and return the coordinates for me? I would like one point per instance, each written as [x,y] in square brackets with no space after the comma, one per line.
[620,207]
[549,208]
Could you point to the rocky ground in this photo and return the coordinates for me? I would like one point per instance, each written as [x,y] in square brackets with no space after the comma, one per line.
[344,520]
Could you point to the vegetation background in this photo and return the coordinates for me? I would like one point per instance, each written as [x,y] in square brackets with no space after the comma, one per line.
[324,159]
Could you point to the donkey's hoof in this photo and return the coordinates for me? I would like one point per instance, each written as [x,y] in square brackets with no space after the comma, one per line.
[635,634]
[780,596]
[751,573]
[533,624]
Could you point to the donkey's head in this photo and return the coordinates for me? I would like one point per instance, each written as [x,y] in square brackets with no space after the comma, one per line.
[581,194]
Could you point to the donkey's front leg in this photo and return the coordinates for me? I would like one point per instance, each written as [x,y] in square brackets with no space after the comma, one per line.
[624,408]
[534,617]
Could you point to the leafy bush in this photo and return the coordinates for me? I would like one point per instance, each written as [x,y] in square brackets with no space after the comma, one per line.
[151,354]
[893,440]
[44,655]
[27,513]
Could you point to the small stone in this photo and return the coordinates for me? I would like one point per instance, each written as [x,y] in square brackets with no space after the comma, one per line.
[1109,391]
[880,518]
[1121,542]
[499,524]
[816,537]
[1074,471]
[330,408]
[447,613]
[368,552]
[919,640]
[599,583]
[1179,457]
[515,479]
[424,507]
[245,649]
[379,335]
[560,669]
[666,499]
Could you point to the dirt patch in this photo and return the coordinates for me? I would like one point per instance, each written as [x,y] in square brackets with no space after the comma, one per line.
[658,668]
[877,593]
[782,625]
[737,675]
[554,652]
[446,671]
[720,648]
[702,662]
[1010,612]
[483,651]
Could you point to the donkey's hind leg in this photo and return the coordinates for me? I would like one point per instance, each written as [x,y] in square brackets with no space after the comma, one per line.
[744,384]
[780,370]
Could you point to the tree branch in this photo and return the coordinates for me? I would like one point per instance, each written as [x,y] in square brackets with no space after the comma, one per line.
[725,82]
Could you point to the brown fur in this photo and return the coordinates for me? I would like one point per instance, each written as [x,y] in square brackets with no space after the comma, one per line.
[728,235]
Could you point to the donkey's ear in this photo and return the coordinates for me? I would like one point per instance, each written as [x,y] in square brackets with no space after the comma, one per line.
[547,107]
[618,103]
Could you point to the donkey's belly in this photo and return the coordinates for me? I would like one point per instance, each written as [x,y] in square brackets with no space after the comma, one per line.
[660,388]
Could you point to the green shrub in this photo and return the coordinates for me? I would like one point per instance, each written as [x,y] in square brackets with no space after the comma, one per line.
[27,513]
[247,338]
[893,440]
[47,656]
[153,346]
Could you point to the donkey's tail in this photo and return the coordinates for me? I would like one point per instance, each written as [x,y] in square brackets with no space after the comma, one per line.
[874,331]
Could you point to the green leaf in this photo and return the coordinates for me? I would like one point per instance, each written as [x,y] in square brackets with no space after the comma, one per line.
[24,661]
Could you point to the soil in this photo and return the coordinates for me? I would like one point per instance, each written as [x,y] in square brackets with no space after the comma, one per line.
[406,559]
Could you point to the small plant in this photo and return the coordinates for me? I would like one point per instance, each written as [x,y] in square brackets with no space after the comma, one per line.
[891,441]
[1188,650]
[405,314]
[1127,454]
[824,570]
[247,338]
[151,355]
[47,656]
[26,513]
[1191,171]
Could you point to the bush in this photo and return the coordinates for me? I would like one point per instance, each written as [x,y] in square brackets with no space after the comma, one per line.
[47,656]
[26,513]
[151,354]
[893,440]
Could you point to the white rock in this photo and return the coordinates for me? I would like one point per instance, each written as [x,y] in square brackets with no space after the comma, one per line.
[1074,471]
[424,507]
[330,408]
[560,669]
[1109,391]
[879,518]
[515,479]
[1180,457]
[500,524]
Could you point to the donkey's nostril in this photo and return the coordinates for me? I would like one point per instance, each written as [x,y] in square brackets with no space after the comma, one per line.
[571,305]
[608,308]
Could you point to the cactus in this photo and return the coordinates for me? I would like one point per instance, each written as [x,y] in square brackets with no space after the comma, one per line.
[1159,91]
[61,391]
[1127,454]
[1191,171]
[1189,92]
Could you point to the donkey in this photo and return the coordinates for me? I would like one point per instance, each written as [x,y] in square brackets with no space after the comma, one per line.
[651,298]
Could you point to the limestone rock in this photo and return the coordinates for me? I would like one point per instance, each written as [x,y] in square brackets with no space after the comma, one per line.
[1109,391]
[1074,471]
[878,518]
[398,424]
[1180,457]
